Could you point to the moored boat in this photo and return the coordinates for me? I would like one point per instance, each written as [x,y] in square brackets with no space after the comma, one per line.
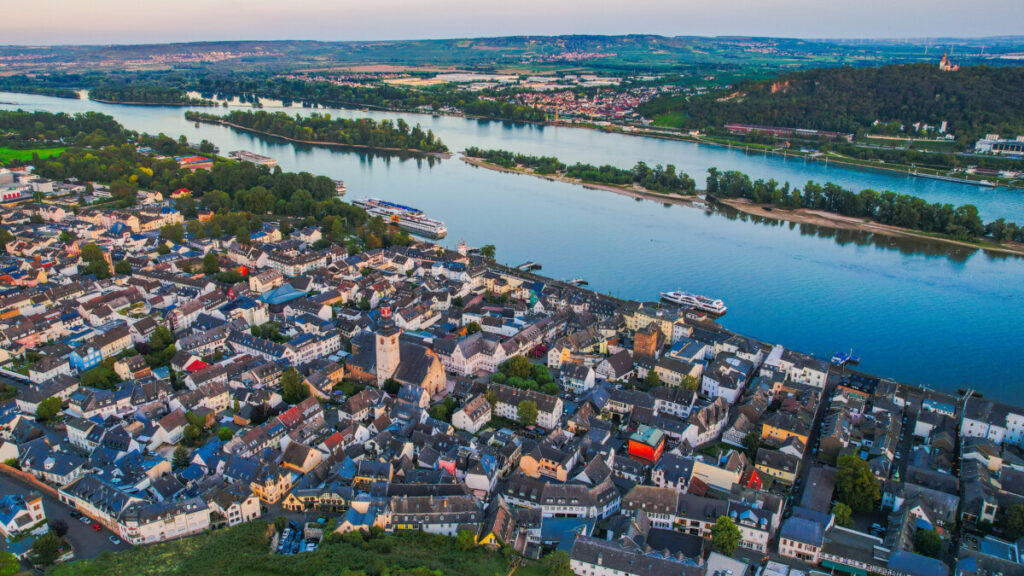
[709,305]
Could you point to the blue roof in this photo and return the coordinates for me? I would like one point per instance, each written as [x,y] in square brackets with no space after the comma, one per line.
[565,530]
[916,564]
[192,472]
[282,294]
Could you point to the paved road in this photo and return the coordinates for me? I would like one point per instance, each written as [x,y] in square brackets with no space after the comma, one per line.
[85,541]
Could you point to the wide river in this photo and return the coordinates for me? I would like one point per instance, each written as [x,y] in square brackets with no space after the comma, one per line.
[919,312]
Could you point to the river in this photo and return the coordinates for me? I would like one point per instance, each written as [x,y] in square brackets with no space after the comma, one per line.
[920,312]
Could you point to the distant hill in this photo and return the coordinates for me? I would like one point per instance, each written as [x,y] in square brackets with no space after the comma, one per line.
[974,100]
[639,53]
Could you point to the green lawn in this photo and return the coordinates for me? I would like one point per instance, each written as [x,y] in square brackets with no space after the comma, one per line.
[243,550]
[8,154]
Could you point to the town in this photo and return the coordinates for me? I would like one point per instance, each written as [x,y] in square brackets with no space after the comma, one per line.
[159,385]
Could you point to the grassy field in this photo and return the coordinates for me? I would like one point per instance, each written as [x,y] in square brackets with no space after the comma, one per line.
[243,551]
[8,154]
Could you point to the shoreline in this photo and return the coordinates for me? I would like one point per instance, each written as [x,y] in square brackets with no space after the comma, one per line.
[177,104]
[840,222]
[798,216]
[239,127]
[622,129]
[643,193]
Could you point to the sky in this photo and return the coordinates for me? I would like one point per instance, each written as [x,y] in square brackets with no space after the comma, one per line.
[159,21]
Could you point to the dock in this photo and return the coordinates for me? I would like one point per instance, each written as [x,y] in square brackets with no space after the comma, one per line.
[528,266]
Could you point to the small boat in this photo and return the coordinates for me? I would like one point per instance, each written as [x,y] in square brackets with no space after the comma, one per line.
[840,359]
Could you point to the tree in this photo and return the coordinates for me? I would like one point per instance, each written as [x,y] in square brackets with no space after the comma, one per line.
[210,264]
[293,390]
[1013,523]
[123,267]
[195,420]
[95,260]
[843,514]
[652,379]
[473,328]
[280,523]
[181,457]
[927,543]
[527,413]
[67,237]
[517,367]
[751,443]
[488,251]
[48,408]
[691,383]
[557,564]
[59,527]
[856,485]
[492,397]
[439,411]
[725,536]
[173,232]
[191,434]
[9,565]
[391,386]
[225,434]
[46,549]
[465,540]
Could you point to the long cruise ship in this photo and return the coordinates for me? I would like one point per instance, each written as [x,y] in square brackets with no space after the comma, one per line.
[405,217]
[697,301]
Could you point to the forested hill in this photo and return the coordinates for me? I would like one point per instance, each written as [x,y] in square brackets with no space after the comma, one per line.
[974,100]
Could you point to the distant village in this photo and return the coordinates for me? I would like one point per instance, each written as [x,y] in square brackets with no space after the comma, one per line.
[426,388]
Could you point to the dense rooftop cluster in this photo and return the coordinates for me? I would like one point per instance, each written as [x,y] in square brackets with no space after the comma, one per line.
[424,388]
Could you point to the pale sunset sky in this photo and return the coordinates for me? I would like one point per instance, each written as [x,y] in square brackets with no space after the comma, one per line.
[149,21]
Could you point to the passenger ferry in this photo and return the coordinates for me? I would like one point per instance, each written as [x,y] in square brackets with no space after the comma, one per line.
[697,301]
[405,217]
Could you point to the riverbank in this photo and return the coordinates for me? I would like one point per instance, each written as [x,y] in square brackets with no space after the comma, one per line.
[240,128]
[632,192]
[209,103]
[838,221]
[799,216]
[630,130]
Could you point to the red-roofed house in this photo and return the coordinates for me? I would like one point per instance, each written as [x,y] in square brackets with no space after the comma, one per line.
[195,365]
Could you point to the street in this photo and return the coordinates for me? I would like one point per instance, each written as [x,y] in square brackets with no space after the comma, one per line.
[85,541]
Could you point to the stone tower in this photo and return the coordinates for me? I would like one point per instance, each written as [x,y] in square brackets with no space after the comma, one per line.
[387,348]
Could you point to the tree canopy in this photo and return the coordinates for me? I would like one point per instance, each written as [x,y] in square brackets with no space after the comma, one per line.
[322,128]
[974,100]
[527,413]
[927,543]
[725,536]
[856,484]
[293,389]
[903,210]
[48,408]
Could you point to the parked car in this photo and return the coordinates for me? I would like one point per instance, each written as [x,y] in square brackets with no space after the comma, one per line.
[96,526]
[114,540]
[84,519]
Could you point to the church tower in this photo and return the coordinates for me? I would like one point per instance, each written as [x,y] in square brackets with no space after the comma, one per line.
[463,249]
[387,348]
